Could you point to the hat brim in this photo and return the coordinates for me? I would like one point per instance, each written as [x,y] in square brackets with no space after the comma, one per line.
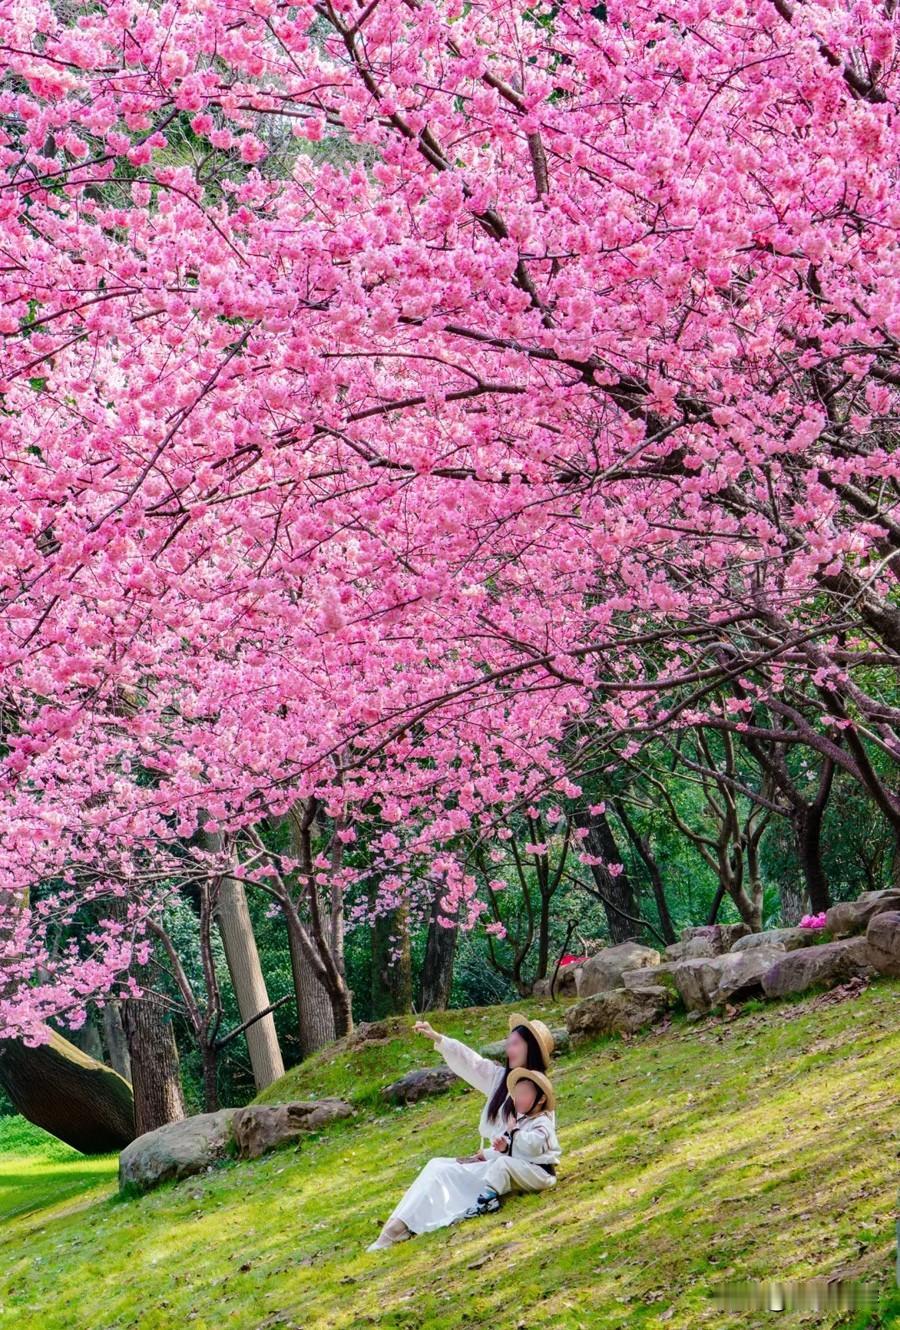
[544,1037]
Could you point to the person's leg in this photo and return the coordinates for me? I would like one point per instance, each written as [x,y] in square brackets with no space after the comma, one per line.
[504,1175]
[394,1231]
[443,1190]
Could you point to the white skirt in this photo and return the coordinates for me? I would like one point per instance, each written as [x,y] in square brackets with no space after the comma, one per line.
[445,1188]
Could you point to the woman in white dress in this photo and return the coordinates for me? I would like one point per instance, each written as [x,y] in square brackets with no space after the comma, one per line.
[449,1186]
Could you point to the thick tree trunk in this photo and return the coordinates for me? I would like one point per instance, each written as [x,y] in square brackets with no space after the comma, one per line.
[808,825]
[437,967]
[616,894]
[156,1079]
[116,1043]
[60,1088]
[315,1015]
[236,929]
[793,902]
[391,964]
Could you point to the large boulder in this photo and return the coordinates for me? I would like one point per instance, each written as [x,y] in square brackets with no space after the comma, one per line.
[603,972]
[826,965]
[850,917]
[705,982]
[420,1084]
[705,940]
[883,942]
[175,1150]
[261,1127]
[789,938]
[662,974]
[618,1011]
[567,979]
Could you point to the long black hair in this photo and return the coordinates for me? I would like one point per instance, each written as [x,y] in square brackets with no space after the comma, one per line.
[534,1061]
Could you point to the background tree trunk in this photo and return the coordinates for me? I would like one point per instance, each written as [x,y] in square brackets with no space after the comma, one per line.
[156,1078]
[60,1088]
[248,981]
[615,893]
[315,1014]
[437,966]
[391,972]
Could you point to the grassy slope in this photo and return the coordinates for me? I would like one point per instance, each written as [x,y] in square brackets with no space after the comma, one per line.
[765,1147]
[39,1172]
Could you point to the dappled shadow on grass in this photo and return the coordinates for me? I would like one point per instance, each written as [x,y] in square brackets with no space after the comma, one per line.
[686,1156]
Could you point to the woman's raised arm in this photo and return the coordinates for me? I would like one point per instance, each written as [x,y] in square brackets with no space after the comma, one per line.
[481,1073]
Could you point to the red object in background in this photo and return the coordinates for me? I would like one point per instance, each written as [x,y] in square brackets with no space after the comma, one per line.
[572,960]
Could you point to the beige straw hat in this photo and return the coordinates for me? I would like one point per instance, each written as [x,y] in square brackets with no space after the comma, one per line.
[538,1077]
[539,1030]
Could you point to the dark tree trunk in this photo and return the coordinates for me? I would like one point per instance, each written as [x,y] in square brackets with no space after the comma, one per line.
[644,849]
[58,1087]
[315,1014]
[437,967]
[808,826]
[391,964]
[615,893]
[156,1079]
[716,903]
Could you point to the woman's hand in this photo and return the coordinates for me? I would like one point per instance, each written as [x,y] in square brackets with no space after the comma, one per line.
[500,1144]
[476,1158]
[424,1027]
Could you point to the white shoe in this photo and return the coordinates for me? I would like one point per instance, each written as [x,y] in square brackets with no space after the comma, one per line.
[381,1242]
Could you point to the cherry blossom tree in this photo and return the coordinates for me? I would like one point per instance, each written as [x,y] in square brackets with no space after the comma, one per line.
[400,398]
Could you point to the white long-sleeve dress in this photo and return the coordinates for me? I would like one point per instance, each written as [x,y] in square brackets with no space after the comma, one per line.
[446,1188]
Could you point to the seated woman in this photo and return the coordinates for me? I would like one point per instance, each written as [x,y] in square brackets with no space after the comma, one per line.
[524,1149]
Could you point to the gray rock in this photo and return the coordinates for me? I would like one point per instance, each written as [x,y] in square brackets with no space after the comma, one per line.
[789,938]
[175,1150]
[420,1084]
[567,980]
[706,940]
[663,974]
[850,917]
[603,972]
[722,936]
[261,1127]
[618,1011]
[828,964]
[541,988]
[883,942]
[692,949]
[705,982]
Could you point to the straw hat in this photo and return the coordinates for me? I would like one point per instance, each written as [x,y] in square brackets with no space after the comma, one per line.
[539,1030]
[538,1077]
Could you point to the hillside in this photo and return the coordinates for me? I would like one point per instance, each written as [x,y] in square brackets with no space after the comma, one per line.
[762,1147]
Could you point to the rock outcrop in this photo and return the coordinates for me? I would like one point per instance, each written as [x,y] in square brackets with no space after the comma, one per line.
[705,982]
[176,1150]
[618,1011]
[828,964]
[261,1127]
[603,971]
[850,917]
[420,1084]
[883,942]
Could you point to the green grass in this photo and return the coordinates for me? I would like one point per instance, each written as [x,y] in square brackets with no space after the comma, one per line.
[38,1171]
[759,1148]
